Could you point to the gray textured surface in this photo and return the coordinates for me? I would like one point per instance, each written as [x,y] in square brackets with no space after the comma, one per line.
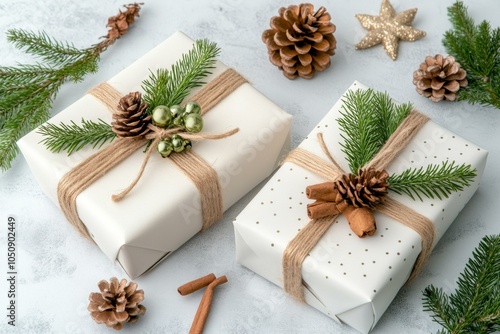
[58,269]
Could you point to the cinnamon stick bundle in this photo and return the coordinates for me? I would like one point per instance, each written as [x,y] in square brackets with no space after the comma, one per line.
[329,202]
[210,281]
[204,308]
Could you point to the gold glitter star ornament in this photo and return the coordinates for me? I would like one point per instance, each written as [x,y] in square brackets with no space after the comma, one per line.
[388,28]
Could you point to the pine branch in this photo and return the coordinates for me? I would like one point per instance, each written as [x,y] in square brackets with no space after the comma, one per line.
[177,82]
[477,49]
[388,114]
[42,45]
[27,91]
[474,307]
[434,181]
[170,87]
[21,120]
[73,137]
[368,119]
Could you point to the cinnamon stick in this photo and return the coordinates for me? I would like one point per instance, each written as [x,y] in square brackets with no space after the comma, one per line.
[204,308]
[320,209]
[323,191]
[361,220]
[196,284]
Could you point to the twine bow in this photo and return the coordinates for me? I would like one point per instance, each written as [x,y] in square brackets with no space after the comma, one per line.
[156,135]
[308,236]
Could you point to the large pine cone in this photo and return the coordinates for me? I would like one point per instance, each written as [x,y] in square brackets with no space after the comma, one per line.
[300,41]
[367,189]
[130,118]
[439,78]
[117,303]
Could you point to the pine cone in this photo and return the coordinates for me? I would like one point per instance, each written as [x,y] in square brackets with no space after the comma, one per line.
[367,189]
[439,78]
[119,24]
[130,119]
[116,304]
[300,42]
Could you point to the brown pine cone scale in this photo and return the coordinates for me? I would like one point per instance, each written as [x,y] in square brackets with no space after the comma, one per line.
[300,41]
[439,78]
[117,303]
[130,119]
[366,189]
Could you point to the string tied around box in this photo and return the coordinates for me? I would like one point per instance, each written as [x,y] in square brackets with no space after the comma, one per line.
[308,236]
[192,165]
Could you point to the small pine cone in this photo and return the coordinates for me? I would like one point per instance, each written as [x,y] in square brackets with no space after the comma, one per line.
[300,41]
[130,118]
[367,189]
[439,78]
[117,303]
[119,23]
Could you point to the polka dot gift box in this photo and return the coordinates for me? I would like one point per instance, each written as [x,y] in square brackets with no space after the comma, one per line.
[352,273]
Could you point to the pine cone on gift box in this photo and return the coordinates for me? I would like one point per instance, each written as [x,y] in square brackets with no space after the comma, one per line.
[300,41]
[440,78]
[367,189]
[130,118]
[117,303]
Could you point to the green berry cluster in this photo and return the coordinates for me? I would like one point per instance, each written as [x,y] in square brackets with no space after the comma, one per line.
[188,118]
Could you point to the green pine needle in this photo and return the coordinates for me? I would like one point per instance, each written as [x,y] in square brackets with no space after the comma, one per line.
[28,90]
[71,138]
[368,119]
[42,45]
[170,87]
[477,49]
[474,307]
[166,87]
[434,181]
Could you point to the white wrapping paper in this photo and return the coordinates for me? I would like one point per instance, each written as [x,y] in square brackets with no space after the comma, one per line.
[350,279]
[163,211]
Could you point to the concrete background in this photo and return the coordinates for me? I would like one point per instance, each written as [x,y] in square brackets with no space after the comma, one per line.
[57,269]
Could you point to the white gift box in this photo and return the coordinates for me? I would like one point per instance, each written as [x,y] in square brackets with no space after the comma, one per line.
[352,280]
[163,211]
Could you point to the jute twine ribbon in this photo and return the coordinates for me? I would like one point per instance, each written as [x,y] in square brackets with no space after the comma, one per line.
[194,167]
[299,247]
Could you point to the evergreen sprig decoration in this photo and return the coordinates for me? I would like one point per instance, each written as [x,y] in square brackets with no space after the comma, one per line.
[368,119]
[171,87]
[166,87]
[474,307]
[28,90]
[477,49]
[73,137]
[434,181]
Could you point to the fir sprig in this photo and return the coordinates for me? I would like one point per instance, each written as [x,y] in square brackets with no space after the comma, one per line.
[477,49]
[368,119]
[74,137]
[474,307]
[42,45]
[170,87]
[28,90]
[433,181]
[165,87]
